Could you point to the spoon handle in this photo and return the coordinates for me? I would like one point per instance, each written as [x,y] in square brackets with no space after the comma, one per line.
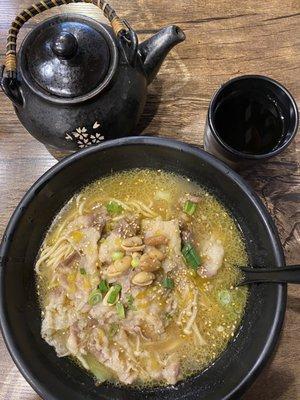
[289,274]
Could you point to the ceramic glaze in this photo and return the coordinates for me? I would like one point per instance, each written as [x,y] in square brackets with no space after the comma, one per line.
[59,378]
[78,84]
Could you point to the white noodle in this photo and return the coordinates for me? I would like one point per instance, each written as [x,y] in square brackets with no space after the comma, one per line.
[50,248]
[81,207]
[47,252]
[78,198]
[188,328]
[198,334]
[63,254]
[142,209]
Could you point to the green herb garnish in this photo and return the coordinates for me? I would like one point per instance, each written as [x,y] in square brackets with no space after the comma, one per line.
[190,256]
[168,316]
[113,330]
[113,294]
[103,286]
[224,297]
[120,310]
[82,271]
[95,297]
[114,208]
[168,283]
[129,302]
[189,207]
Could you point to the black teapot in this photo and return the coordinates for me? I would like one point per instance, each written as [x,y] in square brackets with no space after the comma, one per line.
[77,82]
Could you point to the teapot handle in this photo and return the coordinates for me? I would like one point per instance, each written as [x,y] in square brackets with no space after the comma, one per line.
[120,29]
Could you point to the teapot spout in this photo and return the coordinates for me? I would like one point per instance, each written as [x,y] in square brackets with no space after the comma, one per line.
[155,49]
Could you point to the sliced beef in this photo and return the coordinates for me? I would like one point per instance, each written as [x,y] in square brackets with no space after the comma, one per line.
[96,219]
[67,262]
[128,226]
[85,242]
[187,236]
[189,197]
[99,219]
[109,245]
[213,254]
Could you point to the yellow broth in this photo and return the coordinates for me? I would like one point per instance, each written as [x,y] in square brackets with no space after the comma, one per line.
[217,322]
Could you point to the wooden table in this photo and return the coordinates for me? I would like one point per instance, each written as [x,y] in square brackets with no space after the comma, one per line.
[224,39]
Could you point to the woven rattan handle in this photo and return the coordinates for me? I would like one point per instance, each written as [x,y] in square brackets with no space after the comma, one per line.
[43,5]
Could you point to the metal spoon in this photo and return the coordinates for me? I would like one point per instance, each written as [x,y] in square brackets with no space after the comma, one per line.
[289,274]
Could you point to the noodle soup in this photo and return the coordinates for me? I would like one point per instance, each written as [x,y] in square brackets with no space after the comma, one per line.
[136,278]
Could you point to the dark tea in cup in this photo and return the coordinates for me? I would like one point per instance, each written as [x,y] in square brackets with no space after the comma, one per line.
[250,122]
[250,118]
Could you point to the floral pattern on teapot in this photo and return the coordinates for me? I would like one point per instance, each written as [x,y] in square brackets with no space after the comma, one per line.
[83,138]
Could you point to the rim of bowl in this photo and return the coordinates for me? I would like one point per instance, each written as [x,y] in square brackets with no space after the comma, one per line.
[280,305]
[238,153]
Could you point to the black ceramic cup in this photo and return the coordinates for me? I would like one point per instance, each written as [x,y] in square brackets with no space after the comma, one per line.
[250,118]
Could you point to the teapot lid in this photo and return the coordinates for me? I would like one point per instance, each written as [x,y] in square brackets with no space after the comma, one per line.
[69,56]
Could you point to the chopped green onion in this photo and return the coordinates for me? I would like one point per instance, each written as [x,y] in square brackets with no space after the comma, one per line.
[189,207]
[130,300]
[120,310]
[82,271]
[168,283]
[114,294]
[103,286]
[114,208]
[95,297]
[168,316]
[162,195]
[135,262]
[117,255]
[190,255]
[113,330]
[224,297]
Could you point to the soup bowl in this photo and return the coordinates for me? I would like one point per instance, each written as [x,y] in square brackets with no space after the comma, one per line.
[56,378]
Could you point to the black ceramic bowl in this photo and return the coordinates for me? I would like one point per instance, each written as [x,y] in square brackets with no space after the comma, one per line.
[58,378]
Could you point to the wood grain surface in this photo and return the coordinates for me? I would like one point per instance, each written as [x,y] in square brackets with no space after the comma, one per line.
[225,38]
